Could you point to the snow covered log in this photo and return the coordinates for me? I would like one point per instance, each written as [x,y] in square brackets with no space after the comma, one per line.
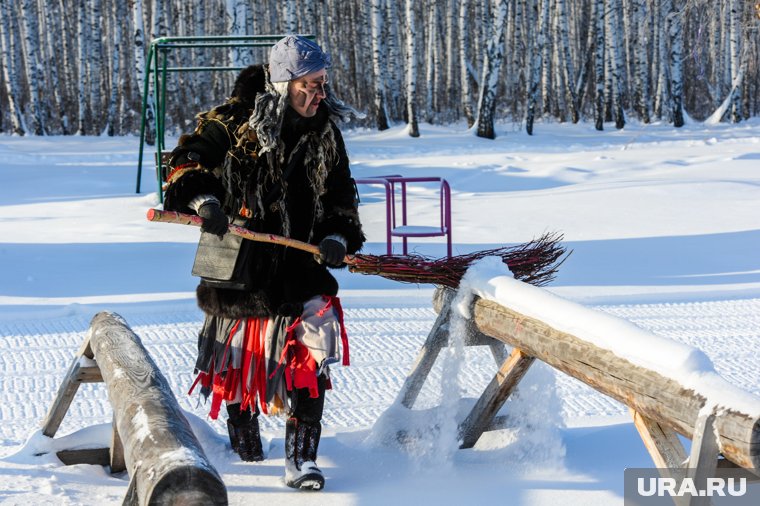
[667,382]
[164,459]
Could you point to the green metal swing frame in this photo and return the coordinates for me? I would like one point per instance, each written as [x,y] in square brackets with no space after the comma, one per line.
[157,69]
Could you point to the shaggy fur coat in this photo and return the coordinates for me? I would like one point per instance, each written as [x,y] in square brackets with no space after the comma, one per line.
[302,188]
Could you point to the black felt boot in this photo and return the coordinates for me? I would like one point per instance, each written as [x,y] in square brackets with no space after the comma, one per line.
[243,427]
[301,443]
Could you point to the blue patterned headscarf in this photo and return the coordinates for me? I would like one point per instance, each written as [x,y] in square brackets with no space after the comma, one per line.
[295,56]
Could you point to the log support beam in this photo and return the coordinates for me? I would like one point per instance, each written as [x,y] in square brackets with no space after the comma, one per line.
[661,407]
[151,439]
[512,367]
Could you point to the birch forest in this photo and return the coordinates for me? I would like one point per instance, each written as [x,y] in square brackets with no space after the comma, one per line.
[77,67]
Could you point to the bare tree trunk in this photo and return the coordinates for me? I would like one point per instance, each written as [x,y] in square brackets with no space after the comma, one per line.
[308,19]
[239,13]
[452,105]
[55,51]
[378,50]
[394,63]
[735,38]
[614,8]
[519,54]
[95,67]
[10,76]
[547,97]
[639,29]
[82,48]
[675,32]
[537,64]
[33,65]
[411,70]
[568,72]
[291,18]
[737,68]
[492,65]
[115,84]
[586,55]
[431,76]
[715,83]
[158,25]
[662,92]
[465,68]
[138,39]
[599,59]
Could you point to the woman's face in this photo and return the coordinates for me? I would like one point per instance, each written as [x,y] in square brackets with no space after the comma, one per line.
[307,92]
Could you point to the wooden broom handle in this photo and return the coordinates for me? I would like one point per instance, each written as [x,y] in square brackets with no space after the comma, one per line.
[197,221]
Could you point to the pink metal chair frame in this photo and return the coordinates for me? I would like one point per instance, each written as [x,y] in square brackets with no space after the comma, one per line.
[404,229]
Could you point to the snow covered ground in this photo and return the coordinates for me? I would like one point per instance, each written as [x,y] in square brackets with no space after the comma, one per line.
[664,225]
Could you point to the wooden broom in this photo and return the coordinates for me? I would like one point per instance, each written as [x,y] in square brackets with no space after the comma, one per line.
[534,262]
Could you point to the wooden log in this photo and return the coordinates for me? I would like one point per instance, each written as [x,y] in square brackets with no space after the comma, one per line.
[164,459]
[703,460]
[93,456]
[436,340]
[661,442]
[78,373]
[493,398]
[648,392]
[116,453]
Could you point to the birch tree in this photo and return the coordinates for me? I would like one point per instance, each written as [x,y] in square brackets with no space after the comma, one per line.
[735,37]
[451,17]
[614,8]
[517,55]
[675,32]
[55,52]
[431,58]
[138,40]
[291,18]
[158,25]
[491,66]
[465,68]
[9,72]
[662,89]
[33,67]
[95,70]
[393,63]
[376,23]
[639,30]
[586,51]
[599,59]
[537,63]
[568,72]
[547,96]
[239,12]
[82,118]
[731,105]
[308,24]
[113,101]
[411,69]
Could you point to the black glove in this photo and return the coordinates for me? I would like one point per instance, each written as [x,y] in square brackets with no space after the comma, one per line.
[214,220]
[331,252]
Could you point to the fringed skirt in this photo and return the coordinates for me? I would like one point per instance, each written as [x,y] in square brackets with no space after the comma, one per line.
[264,359]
